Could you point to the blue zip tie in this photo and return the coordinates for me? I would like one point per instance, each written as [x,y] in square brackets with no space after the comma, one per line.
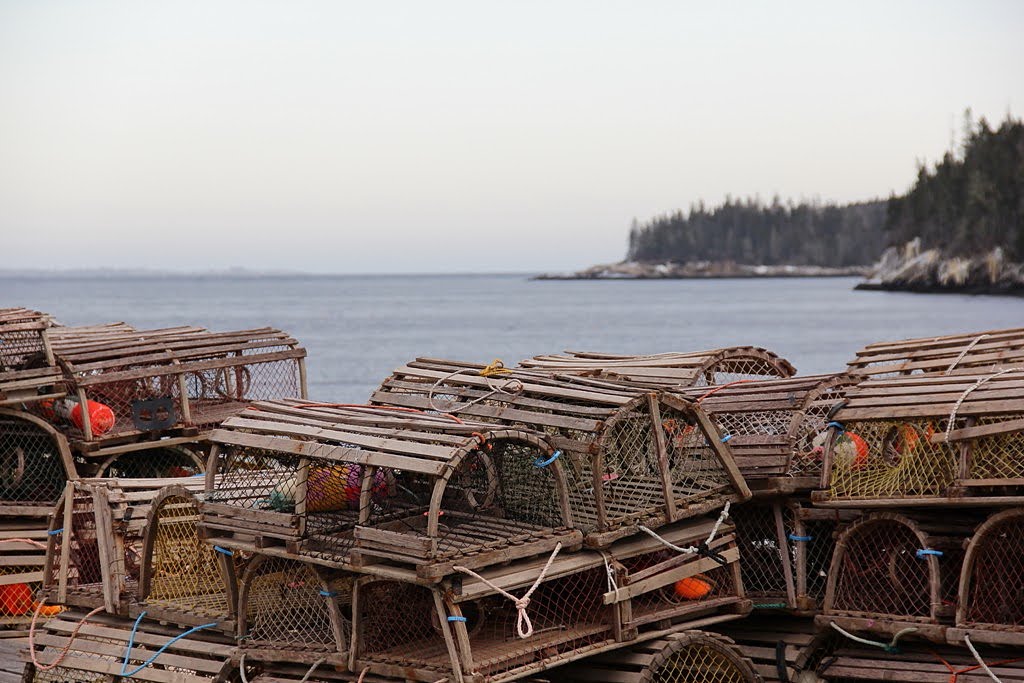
[802,539]
[726,438]
[172,641]
[836,425]
[223,550]
[329,594]
[462,619]
[540,462]
[55,532]
[921,554]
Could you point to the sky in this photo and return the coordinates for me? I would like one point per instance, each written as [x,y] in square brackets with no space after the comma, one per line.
[364,137]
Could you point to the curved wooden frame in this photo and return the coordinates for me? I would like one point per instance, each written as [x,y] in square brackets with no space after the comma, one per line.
[224,564]
[196,457]
[63,449]
[289,651]
[993,633]
[722,645]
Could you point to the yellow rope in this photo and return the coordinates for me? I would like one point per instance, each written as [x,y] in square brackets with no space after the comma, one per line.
[495,368]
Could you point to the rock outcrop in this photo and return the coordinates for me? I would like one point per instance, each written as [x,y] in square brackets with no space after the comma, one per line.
[640,270]
[909,268]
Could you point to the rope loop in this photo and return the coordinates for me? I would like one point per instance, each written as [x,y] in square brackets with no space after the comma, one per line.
[963,353]
[963,397]
[541,462]
[131,643]
[495,367]
[524,627]
[890,647]
[702,549]
[836,425]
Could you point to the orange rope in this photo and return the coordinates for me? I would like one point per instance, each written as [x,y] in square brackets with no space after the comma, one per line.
[954,673]
[41,546]
[722,386]
[67,647]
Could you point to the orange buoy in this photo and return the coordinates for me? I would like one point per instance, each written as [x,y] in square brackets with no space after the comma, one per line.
[854,449]
[693,587]
[15,599]
[48,610]
[101,417]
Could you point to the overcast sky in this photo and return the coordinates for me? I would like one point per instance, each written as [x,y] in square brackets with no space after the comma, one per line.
[460,136]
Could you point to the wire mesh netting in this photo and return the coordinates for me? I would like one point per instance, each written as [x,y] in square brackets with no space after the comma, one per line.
[185,574]
[675,597]
[1000,456]
[886,459]
[762,533]
[818,548]
[157,463]
[31,467]
[695,468]
[735,369]
[399,625]
[995,578]
[84,574]
[808,454]
[217,393]
[21,349]
[287,605]
[700,659]
[879,570]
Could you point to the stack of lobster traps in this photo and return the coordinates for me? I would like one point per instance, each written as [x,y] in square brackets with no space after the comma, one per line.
[433,546]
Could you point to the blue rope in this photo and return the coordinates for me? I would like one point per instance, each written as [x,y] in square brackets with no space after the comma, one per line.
[55,532]
[921,554]
[836,425]
[726,438]
[329,594]
[541,462]
[172,641]
[462,619]
[802,539]
[223,550]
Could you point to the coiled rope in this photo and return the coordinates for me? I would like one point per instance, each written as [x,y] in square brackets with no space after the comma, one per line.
[511,386]
[67,646]
[524,627]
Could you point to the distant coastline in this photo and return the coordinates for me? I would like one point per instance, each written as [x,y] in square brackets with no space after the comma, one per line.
[636,270]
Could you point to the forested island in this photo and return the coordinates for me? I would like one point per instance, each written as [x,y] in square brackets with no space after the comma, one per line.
[960,227]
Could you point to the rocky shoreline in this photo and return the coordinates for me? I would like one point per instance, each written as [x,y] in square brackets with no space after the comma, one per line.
[635,270]
[910,269]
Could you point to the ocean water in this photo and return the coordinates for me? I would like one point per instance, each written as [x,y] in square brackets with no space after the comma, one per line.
[358,328]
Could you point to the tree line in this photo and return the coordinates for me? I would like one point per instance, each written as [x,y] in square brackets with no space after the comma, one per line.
[968,203]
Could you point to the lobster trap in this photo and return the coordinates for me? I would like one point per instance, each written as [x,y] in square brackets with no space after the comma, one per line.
[35,465]
[891,573]
[686,657]
[293,611]
[669,370]
[183,580]
[95,545]
[629,457]
[129,383]
[155,461]
[991,604]
[849,661]
[369,485]
[104,648]
[943,440]
[974,352]
[776,428]
[22,559]
[781,648]
[27,369]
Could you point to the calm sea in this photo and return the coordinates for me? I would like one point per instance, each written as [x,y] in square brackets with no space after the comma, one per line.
[358,328]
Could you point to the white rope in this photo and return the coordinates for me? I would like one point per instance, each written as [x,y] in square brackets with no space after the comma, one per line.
[981,662]
[689,550]
[964,353]
[313,668]
[511,386]
[241,669]
[523,624]
[963,397]
[613,586]
[888,647]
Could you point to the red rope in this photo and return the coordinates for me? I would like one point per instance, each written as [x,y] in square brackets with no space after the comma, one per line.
[722,386]
[955,673]
[67,647]
[397,409]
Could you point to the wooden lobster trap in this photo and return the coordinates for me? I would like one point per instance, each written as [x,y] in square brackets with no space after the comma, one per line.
[35,465]
[974,351]
[663,370]
[991,597]
[892,574]
[78,648]
[630,457]
[511,621]
[776,428]
[22,558]
[687,657]
[782,648]
[786,548]
[294,611]
[28,372]
[371,485]
[95,546]
[911,662]
[140,383]
[928,440]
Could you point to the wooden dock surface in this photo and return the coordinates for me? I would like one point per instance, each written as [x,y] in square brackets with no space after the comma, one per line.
[11,665]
